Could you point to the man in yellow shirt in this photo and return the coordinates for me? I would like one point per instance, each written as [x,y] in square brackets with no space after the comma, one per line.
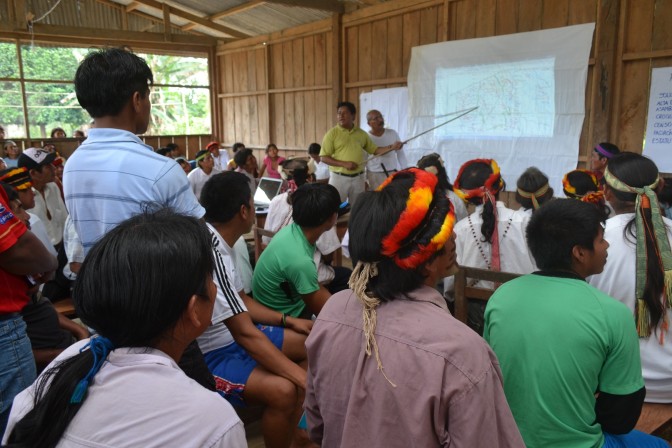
[342,150]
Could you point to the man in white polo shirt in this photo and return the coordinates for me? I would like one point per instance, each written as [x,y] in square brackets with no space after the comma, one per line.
[378,168]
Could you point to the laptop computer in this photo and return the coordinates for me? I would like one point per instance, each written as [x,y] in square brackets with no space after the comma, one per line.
[266,190]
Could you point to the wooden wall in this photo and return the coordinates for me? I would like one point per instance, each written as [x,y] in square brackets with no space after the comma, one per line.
[283,87]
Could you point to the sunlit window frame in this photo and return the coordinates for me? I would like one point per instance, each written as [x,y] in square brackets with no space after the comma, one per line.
[22,80]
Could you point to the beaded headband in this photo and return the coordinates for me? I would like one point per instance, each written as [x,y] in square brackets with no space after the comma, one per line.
[492,185]
[418,208]
[603,151]
[647,199]
[533,196]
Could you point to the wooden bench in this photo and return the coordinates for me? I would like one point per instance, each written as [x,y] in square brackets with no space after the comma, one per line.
[464,293]
[656,419]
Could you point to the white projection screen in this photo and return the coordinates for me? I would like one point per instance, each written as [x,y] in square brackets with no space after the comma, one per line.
[530,92]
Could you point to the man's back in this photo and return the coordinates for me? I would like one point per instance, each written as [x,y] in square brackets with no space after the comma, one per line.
[559,341]
[447,381]
[113,176]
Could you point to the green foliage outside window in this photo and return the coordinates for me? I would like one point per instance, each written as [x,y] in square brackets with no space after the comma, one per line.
[180,97]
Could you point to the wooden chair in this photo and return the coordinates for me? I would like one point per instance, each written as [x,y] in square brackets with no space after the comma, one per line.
[464,293]
[656,418]
[259,245]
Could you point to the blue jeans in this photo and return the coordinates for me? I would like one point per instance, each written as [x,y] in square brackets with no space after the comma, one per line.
[635,439]
[17,365]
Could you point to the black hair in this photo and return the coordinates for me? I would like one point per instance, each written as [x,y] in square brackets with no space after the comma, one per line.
[665,193]
[237,146]
[241,157]
[296,170]
[373,217]
[638,171]
[163,151]
[202,152]
[609,147]
[271,145]
[139,311]
[474,176]
[351,107]
[314,149]
[106,80]
[223,195]
[55,130]
[559,225]
[530,181]
[435,160]
[314,204]
[12,194]
[172,146]
[583,183]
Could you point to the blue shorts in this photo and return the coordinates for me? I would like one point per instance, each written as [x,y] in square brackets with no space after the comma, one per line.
[232,365]
[633,439]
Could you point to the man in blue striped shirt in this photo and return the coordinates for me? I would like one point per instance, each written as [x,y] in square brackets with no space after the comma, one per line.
[113,175]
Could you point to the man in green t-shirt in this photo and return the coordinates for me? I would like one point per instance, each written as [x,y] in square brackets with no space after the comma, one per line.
[569,353]
[285,278]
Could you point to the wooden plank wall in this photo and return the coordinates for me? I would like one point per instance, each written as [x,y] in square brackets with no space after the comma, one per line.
[284,87]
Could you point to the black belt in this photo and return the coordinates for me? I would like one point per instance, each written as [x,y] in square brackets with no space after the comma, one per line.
[9,316]
[348,175]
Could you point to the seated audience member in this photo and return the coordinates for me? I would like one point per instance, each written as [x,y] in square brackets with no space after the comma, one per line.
[532,190]
[568,352]
[127,375]
[49,331]
[251,363]
[639,270]
[174,150]
[271,164]
[164,151]
[434,164]
[321,169]
[19,181]
[219,156]
[602,153]
[285,277]
[186,166]
[431,380]
[49,205]
[584,186]
[50,208]
[296,172]
[3,165]
[12,153]
[58,133]
[247,164]
[492,237]
[24,262]
[199,176]
[79,134]
[234,149]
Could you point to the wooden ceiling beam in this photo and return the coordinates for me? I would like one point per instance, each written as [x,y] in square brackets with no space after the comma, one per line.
[194,19]
[250,4]
[132,6]
[324,5]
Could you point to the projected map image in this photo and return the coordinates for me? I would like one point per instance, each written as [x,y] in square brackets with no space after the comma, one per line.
[515,99]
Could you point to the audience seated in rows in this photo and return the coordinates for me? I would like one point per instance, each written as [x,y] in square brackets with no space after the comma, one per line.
[388,364]
[123,386]
[285,277]
[270,166]
[251,350]
[568,352]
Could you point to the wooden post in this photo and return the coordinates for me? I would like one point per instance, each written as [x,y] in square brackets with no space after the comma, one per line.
[336,58]
[166,23]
